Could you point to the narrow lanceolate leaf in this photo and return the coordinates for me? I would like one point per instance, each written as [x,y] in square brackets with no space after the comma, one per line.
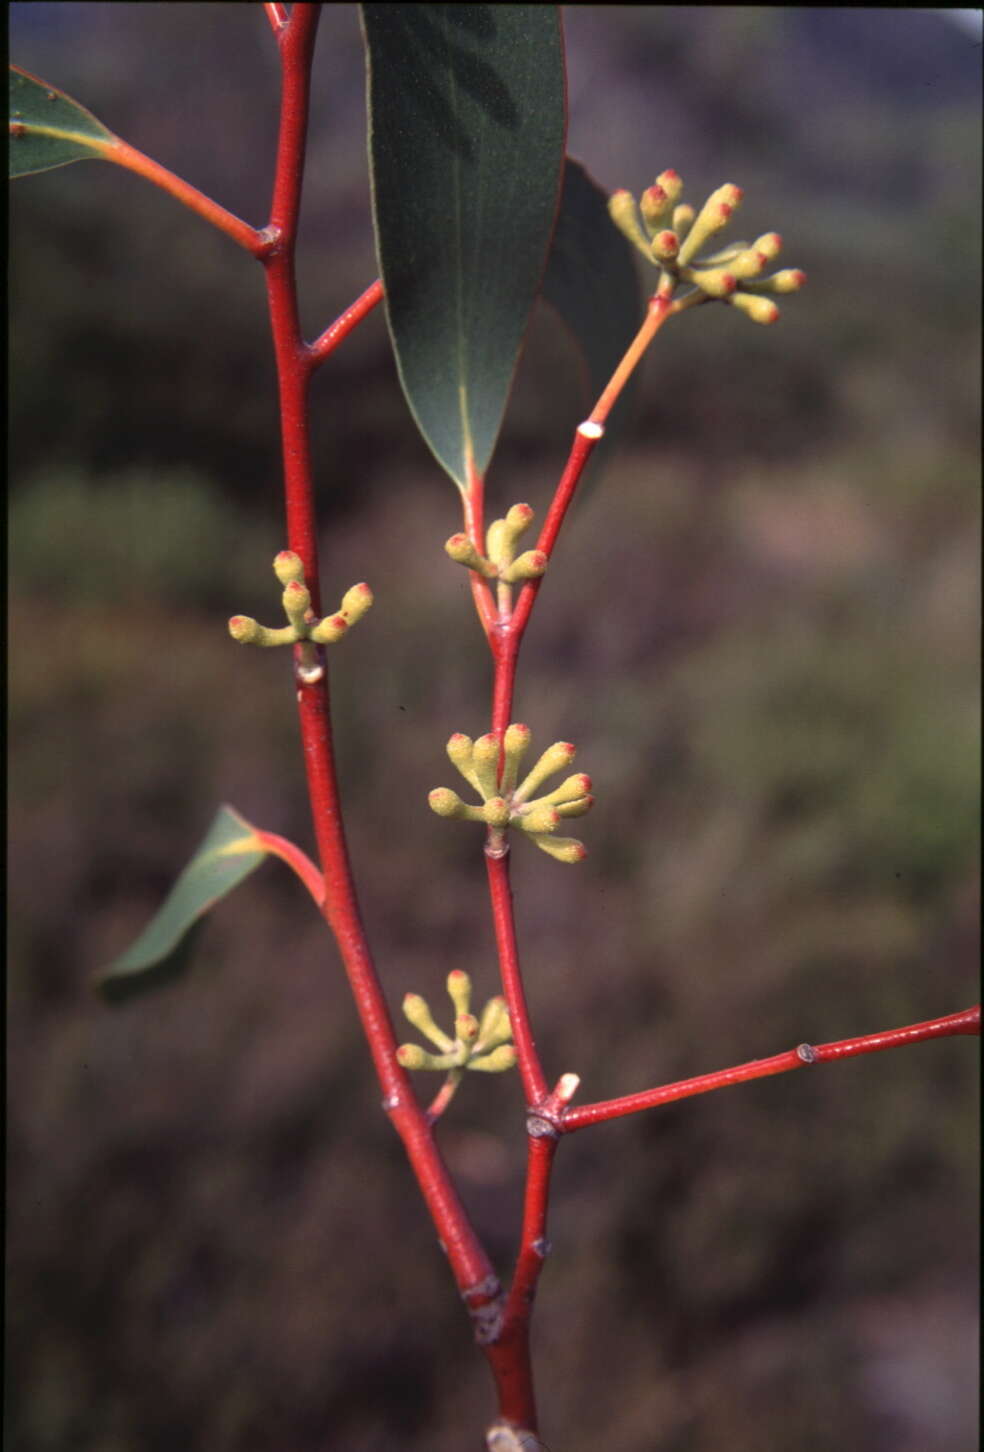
[230,852]
[48,128]
[593,283]
[466,149]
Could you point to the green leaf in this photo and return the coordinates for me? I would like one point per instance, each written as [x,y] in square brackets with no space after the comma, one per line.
[593,283]
[48,128]
[230,852]
[466,146]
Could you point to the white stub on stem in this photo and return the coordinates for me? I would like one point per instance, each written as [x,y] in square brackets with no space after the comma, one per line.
[591,430]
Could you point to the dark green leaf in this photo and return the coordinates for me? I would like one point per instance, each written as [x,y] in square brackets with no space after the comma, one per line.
[48,128]
[593,283]
[230,852]
[466,146]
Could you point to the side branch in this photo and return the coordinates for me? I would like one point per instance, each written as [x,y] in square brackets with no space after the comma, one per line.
[324,345]
[966,1022]
[123,154]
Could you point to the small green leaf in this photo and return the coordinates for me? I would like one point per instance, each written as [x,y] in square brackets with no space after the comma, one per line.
[230,852]
[593,283]
[48,128]
[466,146]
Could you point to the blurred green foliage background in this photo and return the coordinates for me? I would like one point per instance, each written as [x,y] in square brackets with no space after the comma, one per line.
[762,631]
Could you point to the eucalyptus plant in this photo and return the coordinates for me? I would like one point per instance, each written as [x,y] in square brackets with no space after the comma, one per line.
[478,213]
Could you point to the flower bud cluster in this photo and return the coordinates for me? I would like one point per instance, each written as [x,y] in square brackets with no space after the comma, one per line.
[477,1043]
[500,561]
[303,624]
[507,802]
[672,234]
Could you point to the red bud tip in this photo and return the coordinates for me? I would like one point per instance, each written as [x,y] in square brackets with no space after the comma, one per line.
[339,622]
[538,558]
[725,210]
[800,278]
[294,588]
[283,556]
[458,736]
[584,781]
[654,194]
[457,540]
[670,174]
[457,973]
[729,282]
[236,620]
[580,853]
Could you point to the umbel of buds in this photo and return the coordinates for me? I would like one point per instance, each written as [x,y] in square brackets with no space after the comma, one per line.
[672,234]
[508,802]
[303,625]
[477,1043]
[500,561]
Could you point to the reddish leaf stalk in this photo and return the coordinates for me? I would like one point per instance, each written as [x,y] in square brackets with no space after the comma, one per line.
[241,232]
[297,860]
[966,1022]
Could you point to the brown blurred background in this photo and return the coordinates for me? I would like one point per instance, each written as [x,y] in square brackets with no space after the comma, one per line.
[762,632]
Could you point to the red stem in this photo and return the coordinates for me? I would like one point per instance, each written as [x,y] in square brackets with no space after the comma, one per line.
[966,1022]
[469,1262]
[329,340]
[500,892]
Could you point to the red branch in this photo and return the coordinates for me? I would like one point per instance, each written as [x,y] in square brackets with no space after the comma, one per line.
[339,330]
[966,1022]
[468,1259]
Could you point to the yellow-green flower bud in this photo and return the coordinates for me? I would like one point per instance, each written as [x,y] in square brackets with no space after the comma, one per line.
[671,184]
[460,749]
[622,210]
[791,279]
[665,246]
[503,534]
[577,807]
[564,849]
[485,764]
[327,631]
[540,817]
[412,1056]
[715,281]
[749,262]
[248,632]
[355,602]
[569,790]
[529,566]
[515,743]
[504,1057]
[555,758]
[654,204]
[769,244]
[494,1026]
[287,567]
[460,549]
[466,1028]
[297,602]
[496,812]
[683,219]
[759,309]
[712,217]
[459,990]
[446,803]
[244,629]
[417,1012]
